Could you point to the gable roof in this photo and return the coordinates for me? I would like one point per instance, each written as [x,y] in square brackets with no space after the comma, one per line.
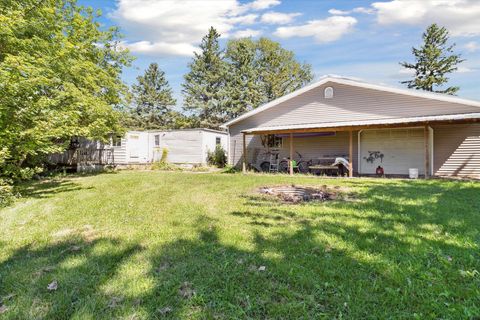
[355,83]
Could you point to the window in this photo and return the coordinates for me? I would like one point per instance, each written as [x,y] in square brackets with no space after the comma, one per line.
[274,141]
[328,93]
[157,140]
[116,141]
[218,140]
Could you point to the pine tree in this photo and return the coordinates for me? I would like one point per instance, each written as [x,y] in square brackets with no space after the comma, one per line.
[203,89]
[153,100]
[433,61]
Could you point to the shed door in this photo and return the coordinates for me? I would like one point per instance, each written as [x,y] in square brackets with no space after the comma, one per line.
[396,150]
[133,146]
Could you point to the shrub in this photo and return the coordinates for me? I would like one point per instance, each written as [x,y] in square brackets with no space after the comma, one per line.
[6,193]
[163,164]
[218,157]
[164,155]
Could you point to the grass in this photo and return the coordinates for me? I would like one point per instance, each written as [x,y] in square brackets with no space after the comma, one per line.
[148,245]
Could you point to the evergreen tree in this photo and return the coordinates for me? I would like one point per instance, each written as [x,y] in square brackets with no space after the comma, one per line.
[153,100]
[433,61]
[203,89]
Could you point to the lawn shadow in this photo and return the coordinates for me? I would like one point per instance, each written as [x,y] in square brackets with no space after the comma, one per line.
[48,188]
[78,267]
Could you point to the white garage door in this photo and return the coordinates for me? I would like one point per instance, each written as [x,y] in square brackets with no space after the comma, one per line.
[395,150]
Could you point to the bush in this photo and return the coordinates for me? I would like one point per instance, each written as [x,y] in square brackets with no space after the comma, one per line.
[6,193]
[163,164]
[218,157]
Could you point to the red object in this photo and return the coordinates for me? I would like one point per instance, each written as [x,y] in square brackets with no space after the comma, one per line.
[379,171]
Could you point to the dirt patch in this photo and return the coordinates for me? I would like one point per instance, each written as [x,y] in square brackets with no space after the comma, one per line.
[296,194]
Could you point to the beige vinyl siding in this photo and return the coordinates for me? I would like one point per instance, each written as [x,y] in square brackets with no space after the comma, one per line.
[457,150]
[348,104]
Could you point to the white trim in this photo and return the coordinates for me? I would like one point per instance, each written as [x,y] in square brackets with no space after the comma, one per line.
[355,83]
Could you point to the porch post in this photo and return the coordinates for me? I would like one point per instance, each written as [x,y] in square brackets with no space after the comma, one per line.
[350,155]
[427,156]
[244,162]
[291,154]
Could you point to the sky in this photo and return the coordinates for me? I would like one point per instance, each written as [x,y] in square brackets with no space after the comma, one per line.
[359,39]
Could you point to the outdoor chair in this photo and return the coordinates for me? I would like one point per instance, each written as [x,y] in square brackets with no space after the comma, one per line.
[274,162]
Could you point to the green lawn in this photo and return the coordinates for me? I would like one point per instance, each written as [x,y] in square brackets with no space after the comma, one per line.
[147,245]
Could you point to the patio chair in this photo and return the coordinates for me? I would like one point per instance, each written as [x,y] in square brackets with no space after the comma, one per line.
[274,162]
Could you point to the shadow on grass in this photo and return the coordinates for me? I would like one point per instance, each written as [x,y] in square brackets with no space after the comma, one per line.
[391,259]
[79,267]
[410,250]
[48,188]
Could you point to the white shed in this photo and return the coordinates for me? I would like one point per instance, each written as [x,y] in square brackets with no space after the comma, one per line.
[186,146]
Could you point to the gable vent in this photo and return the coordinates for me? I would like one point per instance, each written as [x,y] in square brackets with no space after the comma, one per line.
[328,93]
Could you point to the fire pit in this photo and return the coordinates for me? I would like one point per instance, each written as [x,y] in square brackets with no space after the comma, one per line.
[295,194]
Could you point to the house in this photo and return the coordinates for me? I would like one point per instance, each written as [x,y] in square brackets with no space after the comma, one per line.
[370,125]
[185,146]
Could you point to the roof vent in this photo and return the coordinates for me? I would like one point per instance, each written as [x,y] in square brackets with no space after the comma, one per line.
[328,93]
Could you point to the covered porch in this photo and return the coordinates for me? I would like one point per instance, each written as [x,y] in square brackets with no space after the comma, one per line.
[383,147]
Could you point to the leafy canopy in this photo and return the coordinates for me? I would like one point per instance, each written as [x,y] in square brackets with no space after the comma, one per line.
[222,85]
[59,77]
[260,71]
[433,61]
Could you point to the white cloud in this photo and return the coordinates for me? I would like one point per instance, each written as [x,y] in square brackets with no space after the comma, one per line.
[472,46]
[263,4]
[464,70]
[246,19]
[363,10]
[162,48]
[460,17]
[247,33]
[278,17]
[338,12]
[175,27]
[323,31]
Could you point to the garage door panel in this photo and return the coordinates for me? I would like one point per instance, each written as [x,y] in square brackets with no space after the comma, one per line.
[401,149]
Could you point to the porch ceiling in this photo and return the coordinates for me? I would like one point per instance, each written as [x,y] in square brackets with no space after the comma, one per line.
[363,124]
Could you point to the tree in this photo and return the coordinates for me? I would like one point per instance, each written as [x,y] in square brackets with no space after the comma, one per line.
[153,100]
[59,77]
[243,90]
[260,71]
[203,89]
[280,73]
[433,61]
